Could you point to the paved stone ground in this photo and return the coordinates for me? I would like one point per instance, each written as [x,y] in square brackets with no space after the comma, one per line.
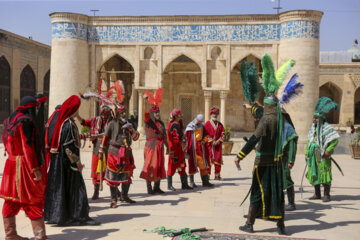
[216,208]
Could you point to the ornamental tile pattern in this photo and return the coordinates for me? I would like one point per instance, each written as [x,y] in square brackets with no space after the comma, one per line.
[187,33]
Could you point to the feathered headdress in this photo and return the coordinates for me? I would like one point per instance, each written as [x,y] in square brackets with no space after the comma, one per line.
[106,100]
[272,82]
[154,101]
[291,90]
[250,81]
[323,106]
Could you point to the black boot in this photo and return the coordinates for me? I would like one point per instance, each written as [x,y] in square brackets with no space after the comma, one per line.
[124,193]
[157,187]
[96,192]
[280,223]
[170,186]
[205,181]
[113,191]
[317,194]
[281,227]
[192,182]
[291,199]
[248,227]
[184,183]
[326,193]
[149,187]
[118,193]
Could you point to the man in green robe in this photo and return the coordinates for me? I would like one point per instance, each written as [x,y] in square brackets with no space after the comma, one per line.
[322,140]
[289,147]
[267,196]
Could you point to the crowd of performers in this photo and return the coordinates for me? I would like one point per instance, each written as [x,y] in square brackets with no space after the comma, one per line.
[43,171]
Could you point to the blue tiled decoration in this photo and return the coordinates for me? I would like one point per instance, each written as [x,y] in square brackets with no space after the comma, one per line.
[187,33]
[69,31]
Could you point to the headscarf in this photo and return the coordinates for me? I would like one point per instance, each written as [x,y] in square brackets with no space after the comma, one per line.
[68,108]
[214,110]
[173,114]
[196,123]
[26,110]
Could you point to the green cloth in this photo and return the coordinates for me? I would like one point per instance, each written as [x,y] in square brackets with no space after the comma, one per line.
[186,233]
[289,148]
[289,157]
[322,134]
[322,137]
[319,168]
[266,191]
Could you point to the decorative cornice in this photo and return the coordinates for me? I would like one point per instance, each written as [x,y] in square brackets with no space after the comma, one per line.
[216,28]
[69,17]
[306,15]
[338,68]
[301,15]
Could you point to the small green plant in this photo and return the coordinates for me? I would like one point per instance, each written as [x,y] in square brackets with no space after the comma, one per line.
[85,129]
[227,134]
[356,140]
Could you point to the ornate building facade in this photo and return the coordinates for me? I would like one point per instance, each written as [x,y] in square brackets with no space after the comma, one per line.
[195,59]
[339,79]
[24,70]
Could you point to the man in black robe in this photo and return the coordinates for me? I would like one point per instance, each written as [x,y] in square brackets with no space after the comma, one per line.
[66,202]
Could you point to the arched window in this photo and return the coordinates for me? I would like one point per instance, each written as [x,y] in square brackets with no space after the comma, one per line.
[46,91]
[215,53]
[332,91]
[4,89]
[27,82]
[148,52]
[118,68]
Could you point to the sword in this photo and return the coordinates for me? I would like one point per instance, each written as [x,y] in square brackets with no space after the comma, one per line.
[247,195]
[337,165]
[302,179]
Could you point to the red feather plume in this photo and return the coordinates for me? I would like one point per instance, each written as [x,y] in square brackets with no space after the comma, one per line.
[110,92]
[120,90]
[158,96]
[151,98]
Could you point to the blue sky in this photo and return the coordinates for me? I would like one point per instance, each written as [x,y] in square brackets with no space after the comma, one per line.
[339,25]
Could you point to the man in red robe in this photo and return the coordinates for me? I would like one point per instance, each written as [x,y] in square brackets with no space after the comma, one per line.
[176,155]
[154,165]
[24,177]
[197,152]
[215,136]
[118,137]
[97,127]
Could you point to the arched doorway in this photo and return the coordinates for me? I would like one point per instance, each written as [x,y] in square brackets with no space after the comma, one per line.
[46,91]
[241,119]
[332,91]
[357,106]
[118,68]
[27,82]
[182,89]
[4,89]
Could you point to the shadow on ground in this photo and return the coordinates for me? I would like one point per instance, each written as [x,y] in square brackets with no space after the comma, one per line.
[315,210]
[82,234]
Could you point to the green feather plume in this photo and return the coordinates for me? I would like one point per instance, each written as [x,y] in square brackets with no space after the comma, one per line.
[324,105]
[268,73]
[272,82]
[250,81]
[281,74]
